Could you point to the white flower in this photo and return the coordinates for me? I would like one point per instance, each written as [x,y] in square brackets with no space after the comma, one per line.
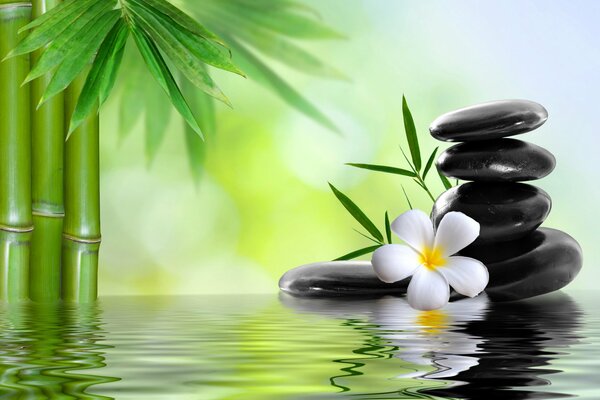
[428,258]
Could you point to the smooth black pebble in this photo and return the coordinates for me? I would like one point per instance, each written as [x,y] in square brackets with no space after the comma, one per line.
[490,120]
[500,160]
[338,278]
[544,261]
[505,211]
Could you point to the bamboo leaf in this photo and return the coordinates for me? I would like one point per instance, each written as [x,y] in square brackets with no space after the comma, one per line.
[158,114]
[99,73]
[71,40]
[406,197]
[358,253]
[55,22]
[366,237]
[292,55]
[158,68]
[411,135]
[182,19]
[113,64]
[261,73]
[357,213]
[445,181]
[186,62]
[429,163]
[79,56]
[182,40]
[388,228]
[203,108]
[288,23]
[132,101]
[383,168]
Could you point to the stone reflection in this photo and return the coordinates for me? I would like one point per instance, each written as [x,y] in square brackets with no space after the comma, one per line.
[471,349]
[51,351]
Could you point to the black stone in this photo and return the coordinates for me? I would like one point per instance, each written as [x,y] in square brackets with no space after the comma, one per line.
[543,261]
[507,160]
[505,211]
[490,120]
[338,278]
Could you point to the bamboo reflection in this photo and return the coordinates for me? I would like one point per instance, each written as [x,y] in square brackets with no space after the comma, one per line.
[46,350]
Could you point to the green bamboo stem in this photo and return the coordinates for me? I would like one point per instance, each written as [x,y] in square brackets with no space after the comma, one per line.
[15,156]
[47,130]
[81,230]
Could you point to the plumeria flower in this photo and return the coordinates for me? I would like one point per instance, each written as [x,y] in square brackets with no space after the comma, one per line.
[428,258]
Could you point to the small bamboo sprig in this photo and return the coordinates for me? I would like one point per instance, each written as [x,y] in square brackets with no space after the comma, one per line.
[417,172]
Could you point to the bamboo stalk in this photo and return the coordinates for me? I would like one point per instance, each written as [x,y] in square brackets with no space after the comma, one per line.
[81,230]
[15,156]
[47,130]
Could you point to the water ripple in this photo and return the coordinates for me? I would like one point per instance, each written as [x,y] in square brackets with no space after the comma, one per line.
[264,347]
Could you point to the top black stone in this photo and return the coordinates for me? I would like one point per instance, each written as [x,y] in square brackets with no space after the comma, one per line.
[490,120]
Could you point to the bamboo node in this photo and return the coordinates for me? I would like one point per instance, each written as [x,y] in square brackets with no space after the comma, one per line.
[48,214]
[82,240]
[17,229]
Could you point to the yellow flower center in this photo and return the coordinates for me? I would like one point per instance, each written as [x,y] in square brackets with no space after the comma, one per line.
[433,321]
[432,258]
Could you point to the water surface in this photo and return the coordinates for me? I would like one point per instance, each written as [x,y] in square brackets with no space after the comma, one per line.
[280,347]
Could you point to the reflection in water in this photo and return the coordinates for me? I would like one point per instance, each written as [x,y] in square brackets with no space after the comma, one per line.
[472,349]
[45,351]
[254,347]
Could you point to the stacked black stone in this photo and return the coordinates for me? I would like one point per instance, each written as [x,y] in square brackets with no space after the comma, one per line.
[523,261]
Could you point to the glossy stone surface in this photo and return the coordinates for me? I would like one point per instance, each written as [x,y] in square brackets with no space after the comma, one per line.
[544,261]
[490,120]
[506,160]
[505,211]
[338,278]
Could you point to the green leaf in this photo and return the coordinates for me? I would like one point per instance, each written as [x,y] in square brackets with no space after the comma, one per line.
[182,58]
[411,135]
[388,228]
[159,70]
[288,23]
[406,197]
[429,163]
[358,253]
[182,19]
[261,73]
[112,67]
[132,101]
[54,22]
[357,213]
[70,41]
[292,55]
[366,237]
[181,39]
[79,56]
[158,114]
[99,74]
[383,168]
[445,181]
[203,107]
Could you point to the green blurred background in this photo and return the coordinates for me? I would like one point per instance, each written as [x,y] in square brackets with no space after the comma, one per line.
[263,204]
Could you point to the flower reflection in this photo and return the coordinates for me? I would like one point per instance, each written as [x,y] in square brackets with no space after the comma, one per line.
[432,339]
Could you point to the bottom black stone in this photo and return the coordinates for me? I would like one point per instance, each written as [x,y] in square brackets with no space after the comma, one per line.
[338,278]
[542,262]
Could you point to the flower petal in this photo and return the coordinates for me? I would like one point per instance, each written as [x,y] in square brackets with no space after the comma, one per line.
[455,232]
[415,228]
[467,276]
[428,290]
[394,262]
